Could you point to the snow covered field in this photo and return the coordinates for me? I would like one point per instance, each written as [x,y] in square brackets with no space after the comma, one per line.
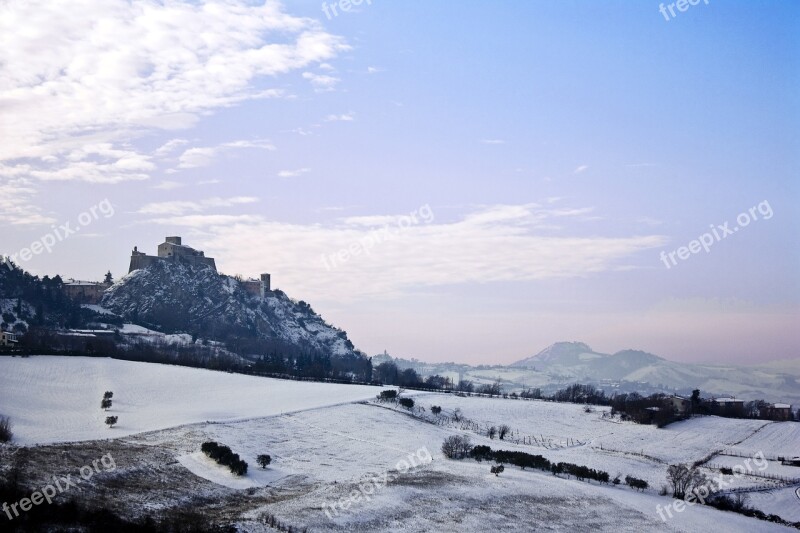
[328,441]
[57,399]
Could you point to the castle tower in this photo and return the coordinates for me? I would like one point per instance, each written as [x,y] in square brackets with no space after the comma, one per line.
[266,285]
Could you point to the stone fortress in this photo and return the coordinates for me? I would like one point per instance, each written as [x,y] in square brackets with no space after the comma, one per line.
[173,249]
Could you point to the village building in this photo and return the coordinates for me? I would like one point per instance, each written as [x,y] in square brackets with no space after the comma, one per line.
[8,339]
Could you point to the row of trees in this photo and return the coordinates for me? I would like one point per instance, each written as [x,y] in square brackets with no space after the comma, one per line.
[460,447]
[224,455]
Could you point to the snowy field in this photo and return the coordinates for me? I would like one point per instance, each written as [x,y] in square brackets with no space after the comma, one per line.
[57,399]
[329,442]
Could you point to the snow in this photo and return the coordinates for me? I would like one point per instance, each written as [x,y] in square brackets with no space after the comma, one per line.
[57,399]
[98,309]
[328,440]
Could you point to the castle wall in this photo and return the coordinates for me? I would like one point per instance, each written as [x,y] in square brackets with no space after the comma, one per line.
[85,293]
[140,260]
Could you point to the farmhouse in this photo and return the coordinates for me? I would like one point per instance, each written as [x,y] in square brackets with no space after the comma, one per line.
[728,407]
[777,411]
[8,339]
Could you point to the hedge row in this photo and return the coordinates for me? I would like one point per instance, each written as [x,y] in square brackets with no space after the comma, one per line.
[224,456]
[527,460]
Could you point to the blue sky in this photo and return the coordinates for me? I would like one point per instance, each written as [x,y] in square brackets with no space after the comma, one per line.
[548,151]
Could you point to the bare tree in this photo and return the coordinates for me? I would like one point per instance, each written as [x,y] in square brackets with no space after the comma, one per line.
[502,431]
[456,446]
[683,479]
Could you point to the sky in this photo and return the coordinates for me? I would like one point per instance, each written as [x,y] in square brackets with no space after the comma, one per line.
[451,181]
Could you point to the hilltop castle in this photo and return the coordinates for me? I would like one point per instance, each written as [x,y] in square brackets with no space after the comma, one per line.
[173,249]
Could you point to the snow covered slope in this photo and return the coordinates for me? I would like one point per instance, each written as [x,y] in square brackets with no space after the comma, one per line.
[196,299]
[57,399]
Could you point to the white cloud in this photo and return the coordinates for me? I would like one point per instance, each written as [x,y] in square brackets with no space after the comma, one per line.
[197,157]
[178,207]
[345,117]
[321,82]
[85,72]
[203,156]
[169,147]
[92,163]
[293,173]
[580,169]
[167,185]
[15,204]
[492,244]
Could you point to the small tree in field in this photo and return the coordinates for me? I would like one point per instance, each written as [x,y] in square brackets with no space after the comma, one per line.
[435,409]
[497,469]
[263,460]
[108,395]
[111,420]
[491,432]
[456,446]
[502,431]
[105,404]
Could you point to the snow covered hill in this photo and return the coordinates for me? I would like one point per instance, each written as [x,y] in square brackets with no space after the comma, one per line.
[196,299]
[328,441]
[576,361]
[57,399]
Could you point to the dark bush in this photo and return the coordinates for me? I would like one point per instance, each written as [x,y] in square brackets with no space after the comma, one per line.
[5,429]
[408,403]
[388,395]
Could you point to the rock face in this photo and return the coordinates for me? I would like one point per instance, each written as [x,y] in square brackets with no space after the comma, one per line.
[180,297]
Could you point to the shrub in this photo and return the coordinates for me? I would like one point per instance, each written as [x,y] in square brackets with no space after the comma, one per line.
[480,452]
[388,395]
[408,403]
[456,446]
[435,409]
[5,429]
[636,483]
[491,432]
